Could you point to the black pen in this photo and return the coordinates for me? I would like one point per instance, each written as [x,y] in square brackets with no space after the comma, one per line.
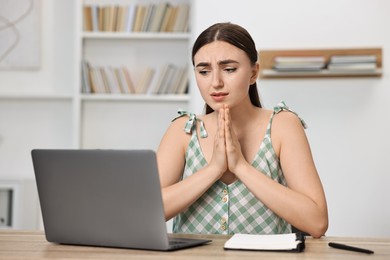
[350,248]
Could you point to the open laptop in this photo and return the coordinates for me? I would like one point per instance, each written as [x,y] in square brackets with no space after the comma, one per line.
[103,198]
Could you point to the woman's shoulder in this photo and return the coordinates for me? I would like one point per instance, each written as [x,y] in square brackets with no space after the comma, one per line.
[175,136]
[192,123]
[284,115]
[178,123]
[288,120]
[185,122]
[286,127]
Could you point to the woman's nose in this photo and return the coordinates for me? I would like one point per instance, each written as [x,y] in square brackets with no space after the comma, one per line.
[216,80]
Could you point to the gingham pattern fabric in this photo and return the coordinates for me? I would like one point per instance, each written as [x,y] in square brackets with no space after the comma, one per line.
[192,122]
[229,209]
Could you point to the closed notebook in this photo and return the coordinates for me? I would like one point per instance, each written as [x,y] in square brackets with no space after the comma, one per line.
[294,242]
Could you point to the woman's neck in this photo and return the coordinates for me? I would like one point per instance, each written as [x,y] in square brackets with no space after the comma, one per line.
[243,113]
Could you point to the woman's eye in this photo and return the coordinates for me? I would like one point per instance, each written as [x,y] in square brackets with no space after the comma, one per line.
[203,72]
[230,70]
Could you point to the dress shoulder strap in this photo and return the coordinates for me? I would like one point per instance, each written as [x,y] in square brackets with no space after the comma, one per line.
[281,106]
[190,124]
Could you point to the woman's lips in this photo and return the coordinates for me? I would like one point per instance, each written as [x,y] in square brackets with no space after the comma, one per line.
[219,96]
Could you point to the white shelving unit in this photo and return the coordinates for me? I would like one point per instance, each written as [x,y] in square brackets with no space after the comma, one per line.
[46,109]
[125,120]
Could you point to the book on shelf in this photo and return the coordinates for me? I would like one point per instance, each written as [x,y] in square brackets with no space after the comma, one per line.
[97,84]
[121,81]
[157,18]
[105,18]
[149,13]
[182,88]
[181,21]
[121,19]
[310,63]
[166,86]
[168,19]
[85,77]
[298,67]
[140,11]
[129,18]
[105,79]
[299,59]
[352,67]
[136,17]
[113,85]
[176,79]
[158,79]
[129,80]
[100,19]
[94,17]
[112,17]
[294,242]
[353,63]
[87,18]
[353,59]
[145,80]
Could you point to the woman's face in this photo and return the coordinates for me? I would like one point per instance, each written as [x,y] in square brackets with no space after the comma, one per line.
[224,73]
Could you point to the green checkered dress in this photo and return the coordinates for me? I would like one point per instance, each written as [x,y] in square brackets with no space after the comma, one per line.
[229,209]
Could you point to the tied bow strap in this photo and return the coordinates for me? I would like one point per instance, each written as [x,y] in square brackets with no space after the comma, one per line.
[191,123]
[282,106]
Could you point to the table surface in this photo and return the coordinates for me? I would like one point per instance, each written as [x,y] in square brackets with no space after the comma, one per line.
[33,245]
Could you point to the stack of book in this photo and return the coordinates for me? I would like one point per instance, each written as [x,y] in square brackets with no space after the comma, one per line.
[169,79]
[352,63]
[298,64]
[161,17]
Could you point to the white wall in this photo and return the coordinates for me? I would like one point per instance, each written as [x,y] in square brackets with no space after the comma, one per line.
[30,123]
[348,118]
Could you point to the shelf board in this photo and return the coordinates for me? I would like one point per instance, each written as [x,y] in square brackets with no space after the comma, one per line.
[270,73]
[266,58]
[133,97]
[35,96]
[135,36]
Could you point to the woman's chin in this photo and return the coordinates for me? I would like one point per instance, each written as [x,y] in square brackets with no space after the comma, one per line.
[216,106]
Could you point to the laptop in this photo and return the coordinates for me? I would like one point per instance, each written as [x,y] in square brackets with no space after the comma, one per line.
[109,198]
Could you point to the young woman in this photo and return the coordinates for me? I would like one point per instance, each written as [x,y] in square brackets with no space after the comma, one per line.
[239,168]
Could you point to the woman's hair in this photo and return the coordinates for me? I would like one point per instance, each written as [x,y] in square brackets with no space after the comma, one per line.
[237,36]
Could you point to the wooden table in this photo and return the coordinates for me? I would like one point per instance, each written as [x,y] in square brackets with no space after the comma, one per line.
[33,245]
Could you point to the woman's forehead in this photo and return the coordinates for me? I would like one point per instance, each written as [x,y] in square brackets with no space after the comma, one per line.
[219,50]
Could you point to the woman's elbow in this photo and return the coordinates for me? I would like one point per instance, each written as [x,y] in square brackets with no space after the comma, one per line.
[320,228]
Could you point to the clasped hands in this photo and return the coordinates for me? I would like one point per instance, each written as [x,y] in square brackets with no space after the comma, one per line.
[227,155]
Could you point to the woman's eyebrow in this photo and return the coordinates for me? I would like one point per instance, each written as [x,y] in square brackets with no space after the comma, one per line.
[203,64]
[221,62]
[224,62]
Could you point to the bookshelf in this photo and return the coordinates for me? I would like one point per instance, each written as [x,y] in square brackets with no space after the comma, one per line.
[267,62]
[137,119]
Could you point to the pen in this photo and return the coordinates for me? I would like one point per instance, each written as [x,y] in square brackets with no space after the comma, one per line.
[350,248]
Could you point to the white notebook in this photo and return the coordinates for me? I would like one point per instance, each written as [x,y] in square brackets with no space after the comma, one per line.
[276,242]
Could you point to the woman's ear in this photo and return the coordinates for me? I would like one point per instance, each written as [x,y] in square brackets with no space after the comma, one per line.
[255,73]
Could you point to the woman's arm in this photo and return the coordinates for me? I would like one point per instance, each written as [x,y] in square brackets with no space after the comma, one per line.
[179,195]
[303,202]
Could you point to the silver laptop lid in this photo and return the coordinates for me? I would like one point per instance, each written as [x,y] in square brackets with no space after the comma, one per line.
[101,197]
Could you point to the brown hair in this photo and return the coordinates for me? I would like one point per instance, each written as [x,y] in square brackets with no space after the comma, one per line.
[237,36]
